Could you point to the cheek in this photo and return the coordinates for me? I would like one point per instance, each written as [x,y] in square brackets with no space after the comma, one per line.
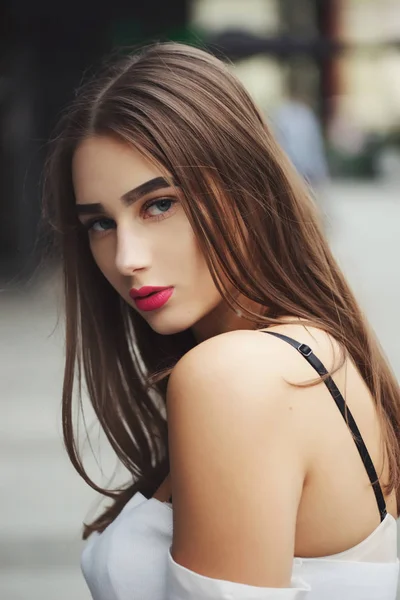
[104,252]
[190,257]
[201,280]
[101,254]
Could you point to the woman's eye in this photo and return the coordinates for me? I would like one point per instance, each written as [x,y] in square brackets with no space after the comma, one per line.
[157,208]
[100,225]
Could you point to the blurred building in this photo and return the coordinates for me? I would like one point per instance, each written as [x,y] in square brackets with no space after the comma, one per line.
[341,56]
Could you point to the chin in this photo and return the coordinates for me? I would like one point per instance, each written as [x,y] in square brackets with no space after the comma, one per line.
[165,326]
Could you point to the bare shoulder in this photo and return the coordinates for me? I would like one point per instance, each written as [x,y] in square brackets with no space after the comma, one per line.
[245,369]
[245,444]
[233,357]
[240,368]
[236,451]
[251,362]
[248,379]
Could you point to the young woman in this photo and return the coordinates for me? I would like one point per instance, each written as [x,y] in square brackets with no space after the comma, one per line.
[222,349]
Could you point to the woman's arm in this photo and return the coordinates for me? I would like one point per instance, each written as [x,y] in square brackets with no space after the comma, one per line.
[237,461]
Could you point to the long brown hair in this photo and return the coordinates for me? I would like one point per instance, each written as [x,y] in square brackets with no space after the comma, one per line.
[256,225]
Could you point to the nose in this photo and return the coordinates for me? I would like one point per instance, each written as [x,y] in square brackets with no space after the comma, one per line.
[133,252]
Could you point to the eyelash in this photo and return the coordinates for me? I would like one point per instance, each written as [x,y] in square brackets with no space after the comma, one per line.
[151,203]
[88,225]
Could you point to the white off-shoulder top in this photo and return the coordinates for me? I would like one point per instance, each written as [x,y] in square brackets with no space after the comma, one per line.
[131,560]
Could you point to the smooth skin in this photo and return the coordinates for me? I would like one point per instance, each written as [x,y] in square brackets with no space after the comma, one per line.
[148,242]
[261,470]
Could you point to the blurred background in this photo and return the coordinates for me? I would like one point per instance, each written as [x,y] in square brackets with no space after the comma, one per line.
[326,74]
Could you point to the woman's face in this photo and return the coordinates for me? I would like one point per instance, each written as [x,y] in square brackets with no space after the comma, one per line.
[140,236]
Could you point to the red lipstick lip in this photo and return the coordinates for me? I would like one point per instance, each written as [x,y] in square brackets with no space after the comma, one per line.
[153,301]
[145,291]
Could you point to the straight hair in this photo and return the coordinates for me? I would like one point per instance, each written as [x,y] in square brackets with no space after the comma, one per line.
[257,227]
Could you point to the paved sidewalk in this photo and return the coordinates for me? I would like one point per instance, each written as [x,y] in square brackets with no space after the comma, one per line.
[42,501]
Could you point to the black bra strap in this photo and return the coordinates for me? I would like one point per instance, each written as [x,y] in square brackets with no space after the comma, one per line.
[310,357]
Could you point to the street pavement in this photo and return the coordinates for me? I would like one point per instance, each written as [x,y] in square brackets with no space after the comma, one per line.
[42,500]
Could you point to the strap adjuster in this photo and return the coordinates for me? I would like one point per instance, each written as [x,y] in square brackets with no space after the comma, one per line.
[304,350]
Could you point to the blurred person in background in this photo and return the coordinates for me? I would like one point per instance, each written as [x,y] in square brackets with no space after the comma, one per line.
[299,133]
[224,354]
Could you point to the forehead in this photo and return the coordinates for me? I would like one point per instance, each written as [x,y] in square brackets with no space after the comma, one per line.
[104,168]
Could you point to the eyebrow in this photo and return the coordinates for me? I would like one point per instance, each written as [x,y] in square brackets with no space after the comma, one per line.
[128,198]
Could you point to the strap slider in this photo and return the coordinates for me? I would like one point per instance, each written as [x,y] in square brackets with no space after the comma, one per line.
[304,350]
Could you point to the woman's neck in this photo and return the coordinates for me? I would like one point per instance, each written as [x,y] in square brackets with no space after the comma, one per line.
[223,319]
